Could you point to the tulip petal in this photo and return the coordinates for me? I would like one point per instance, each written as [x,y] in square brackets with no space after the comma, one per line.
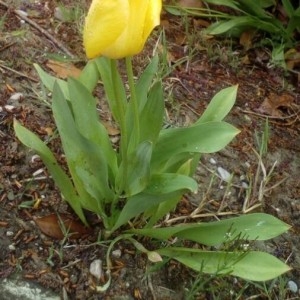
[104,23]
[144,16]
[152,17]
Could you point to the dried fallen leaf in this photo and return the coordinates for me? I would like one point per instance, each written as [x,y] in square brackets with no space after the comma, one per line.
[63,69]
[292,58]
[52,225]
[190,3]
[271,104]
[246,39]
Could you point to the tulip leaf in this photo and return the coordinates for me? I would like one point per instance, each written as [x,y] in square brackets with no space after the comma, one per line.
[200,138]
[63,182]
[139,203]
[156,213]
[252,265]
[219,106]
[114,88]
[165,183]
[145,81]
[221,27]
[81,154]
[89,76]
[139,168]
[49,81]
[87,121]
[152,113]
[258,226]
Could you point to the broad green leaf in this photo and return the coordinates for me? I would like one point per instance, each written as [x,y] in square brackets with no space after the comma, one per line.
[138,204]
[145,81]
[200,138]
[173,10]
[258,226]
[238,22]
[80,154]
[152,115]
[253,265]
[164,183]
[219,106]
[113,86]
[139,168]
[288,7]
[254,8]
[177,161]
[49,81]
[87,121]
[63,182]
[89,76]
[156,213]
[229,3]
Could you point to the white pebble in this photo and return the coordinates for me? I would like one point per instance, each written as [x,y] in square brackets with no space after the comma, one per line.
[16,96]
[34,158]
[116,253]
[245,185]
[9,233]
[292,286]
[12,247]
[212,161]
[96,268]
[9,108]
[225,175]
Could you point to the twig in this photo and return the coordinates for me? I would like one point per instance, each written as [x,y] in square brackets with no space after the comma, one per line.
[18,73]
[21,15]
[7,46]
[267,116]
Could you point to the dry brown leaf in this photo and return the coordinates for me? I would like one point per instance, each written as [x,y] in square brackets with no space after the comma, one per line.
[271,104]
[51,226]
[292,58]
[63,69]
[191,3]
[246,39]
[200,23]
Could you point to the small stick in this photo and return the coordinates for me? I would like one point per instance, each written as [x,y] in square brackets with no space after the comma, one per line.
[18,73]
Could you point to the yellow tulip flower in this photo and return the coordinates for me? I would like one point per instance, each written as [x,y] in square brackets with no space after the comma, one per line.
[119,28]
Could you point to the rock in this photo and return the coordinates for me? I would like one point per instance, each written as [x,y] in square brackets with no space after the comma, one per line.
[292,286]
[96,268]
[225,175]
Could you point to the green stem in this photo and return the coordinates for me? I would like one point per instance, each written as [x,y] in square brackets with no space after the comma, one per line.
[122,123]
[133,99]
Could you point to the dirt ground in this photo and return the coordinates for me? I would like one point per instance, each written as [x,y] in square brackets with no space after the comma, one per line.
[26,192]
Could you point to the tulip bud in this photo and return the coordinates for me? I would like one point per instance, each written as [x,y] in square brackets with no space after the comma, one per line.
[119,28]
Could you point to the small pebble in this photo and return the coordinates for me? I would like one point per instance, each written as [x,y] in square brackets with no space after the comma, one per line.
[225,175]
[116,253]
[292,286]
[96,268]
[212,161]
[245,185]
[9,108]
[12,247]
[9,233]
[16,97]
[73,279]
[35,158]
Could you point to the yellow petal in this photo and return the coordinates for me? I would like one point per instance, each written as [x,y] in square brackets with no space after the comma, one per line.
[144,16]
[104,23]
[152,17]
